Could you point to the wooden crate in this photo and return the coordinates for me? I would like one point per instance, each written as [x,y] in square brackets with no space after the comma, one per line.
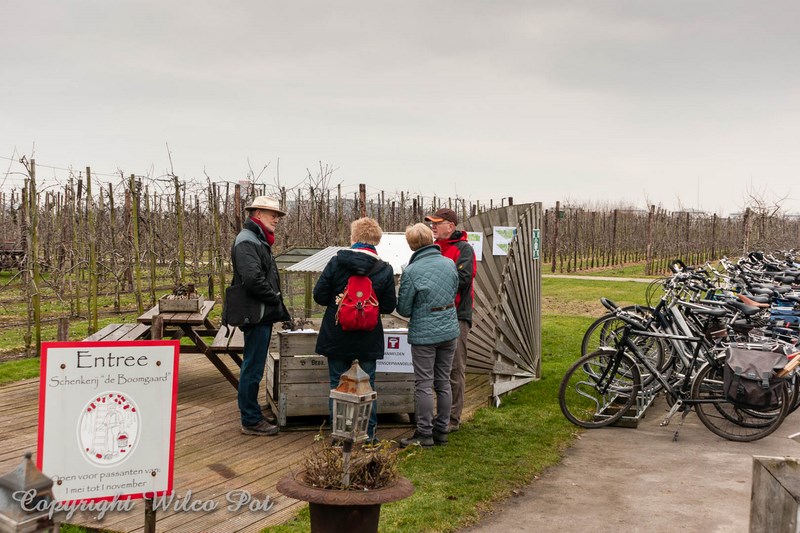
[775,496]
[298,383]
[170,304]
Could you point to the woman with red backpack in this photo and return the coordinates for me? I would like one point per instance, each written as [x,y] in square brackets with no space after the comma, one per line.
[337,340]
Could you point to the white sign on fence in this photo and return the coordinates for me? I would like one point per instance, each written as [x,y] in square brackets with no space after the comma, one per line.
[475,239]
[107,418]
[396,352]
[501,239]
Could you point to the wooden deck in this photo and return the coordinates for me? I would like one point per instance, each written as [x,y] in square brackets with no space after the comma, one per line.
[212,457]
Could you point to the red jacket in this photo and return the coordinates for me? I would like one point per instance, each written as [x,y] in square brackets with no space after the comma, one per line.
[458,249]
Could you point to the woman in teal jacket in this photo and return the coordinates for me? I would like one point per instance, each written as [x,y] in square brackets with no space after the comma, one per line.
[427,294]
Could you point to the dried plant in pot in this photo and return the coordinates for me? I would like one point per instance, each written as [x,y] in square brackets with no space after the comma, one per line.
[339,507]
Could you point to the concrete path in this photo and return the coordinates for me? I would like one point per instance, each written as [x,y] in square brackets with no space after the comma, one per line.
[639,480]
[598,278]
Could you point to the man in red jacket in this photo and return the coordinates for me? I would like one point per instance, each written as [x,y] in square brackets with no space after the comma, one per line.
[455,246]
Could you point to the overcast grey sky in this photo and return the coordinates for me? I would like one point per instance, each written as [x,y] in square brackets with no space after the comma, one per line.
[673,102]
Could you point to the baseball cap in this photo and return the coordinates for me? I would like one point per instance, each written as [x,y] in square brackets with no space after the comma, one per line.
[443,214]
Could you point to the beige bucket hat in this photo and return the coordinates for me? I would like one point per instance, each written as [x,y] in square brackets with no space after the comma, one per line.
[266,202]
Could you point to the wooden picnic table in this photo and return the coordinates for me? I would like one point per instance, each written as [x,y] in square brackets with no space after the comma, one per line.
[194,326]
[121,332]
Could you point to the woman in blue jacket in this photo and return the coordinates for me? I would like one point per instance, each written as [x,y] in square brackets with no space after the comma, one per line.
[427,294]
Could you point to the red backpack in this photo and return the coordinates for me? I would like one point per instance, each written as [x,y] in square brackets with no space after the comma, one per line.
[358,307]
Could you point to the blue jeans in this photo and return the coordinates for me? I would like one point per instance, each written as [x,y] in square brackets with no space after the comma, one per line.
[256,346]
[337,367]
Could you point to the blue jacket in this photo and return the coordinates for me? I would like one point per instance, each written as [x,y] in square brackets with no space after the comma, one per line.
[427,295]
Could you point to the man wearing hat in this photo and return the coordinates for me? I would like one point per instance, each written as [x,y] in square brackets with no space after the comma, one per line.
[455,246]
[255,269]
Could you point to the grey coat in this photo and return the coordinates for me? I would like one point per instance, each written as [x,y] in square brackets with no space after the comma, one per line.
[427,295]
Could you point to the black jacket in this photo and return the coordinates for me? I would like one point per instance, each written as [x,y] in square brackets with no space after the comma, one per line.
[255,268]
[362,345]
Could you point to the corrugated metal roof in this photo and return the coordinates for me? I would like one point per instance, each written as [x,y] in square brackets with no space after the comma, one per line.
[293,256]
[317,262]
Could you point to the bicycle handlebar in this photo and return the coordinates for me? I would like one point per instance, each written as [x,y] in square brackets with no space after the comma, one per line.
[610,305]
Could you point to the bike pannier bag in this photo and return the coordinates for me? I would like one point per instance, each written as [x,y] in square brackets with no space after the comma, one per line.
[750,378]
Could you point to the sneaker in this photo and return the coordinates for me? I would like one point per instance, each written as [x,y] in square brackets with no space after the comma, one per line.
[261,429]
[453,428]
[439,437]
[426,441]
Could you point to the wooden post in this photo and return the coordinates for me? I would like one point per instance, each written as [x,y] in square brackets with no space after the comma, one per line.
[237,208]
[34,250]
[648,268]
[774,494]
[157,328]
[574,237]
[382,218]
[339,215]
[308,294]
[218,250]
[746,231]
[128,249]
[151,246]
[90,218]
[156,333]
[403,219]
[63,329]
[181,247]
[198,234]
[362,199]
[135,241]
[555,237]
[149,516]
[614,238]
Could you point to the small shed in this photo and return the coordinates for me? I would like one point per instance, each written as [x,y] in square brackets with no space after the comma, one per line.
[310,267]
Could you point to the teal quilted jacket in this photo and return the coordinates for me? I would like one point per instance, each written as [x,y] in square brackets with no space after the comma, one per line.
[427,295]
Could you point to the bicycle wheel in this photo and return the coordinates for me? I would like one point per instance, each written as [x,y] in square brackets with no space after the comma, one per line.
[794,393]
[607,330]
[599,388]
[604,331]
[726,419]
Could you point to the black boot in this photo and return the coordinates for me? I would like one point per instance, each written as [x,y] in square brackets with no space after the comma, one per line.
[426,441]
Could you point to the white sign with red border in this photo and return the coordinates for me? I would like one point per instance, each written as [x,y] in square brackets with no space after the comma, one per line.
[396,352]
[107,418]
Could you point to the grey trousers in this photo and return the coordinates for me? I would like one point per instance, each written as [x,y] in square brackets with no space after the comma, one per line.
[458,374]
[432,372]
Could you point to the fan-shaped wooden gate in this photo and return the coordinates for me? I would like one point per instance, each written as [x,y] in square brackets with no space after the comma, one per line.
[505,339]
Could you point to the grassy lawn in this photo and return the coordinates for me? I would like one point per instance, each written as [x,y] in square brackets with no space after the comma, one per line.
[499,450]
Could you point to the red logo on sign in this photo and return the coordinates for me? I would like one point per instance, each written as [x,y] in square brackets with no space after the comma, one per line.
[393,343]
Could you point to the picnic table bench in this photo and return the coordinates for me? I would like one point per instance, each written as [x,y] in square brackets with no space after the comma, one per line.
[121,332]
[194,326]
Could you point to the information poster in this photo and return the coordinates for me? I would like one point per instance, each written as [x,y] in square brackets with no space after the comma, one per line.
[396,352]
[502,237]
[107,418]
[475,239]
